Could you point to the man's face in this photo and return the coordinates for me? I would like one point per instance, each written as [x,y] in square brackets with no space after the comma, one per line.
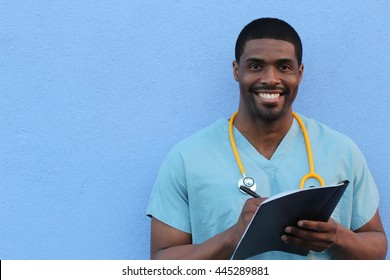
[268,76]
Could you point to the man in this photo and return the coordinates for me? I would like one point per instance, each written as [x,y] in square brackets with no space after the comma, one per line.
[196,208]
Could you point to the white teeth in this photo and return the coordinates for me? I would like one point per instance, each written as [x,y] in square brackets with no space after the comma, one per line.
[269,95]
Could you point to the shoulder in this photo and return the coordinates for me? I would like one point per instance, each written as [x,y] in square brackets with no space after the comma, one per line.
[323,133]
[206,139]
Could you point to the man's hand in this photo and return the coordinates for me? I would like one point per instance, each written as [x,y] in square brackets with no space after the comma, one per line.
[367,242]
[247,212]
[170,243]
[313,235]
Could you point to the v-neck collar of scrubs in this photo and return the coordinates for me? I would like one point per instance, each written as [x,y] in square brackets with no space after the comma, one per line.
[244,146]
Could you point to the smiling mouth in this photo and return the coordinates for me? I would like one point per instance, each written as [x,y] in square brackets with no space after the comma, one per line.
[268,96]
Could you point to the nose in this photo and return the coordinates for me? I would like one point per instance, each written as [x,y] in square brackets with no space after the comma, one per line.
[270,76]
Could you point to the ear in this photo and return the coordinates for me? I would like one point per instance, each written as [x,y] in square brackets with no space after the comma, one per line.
[235,70]
[300,72]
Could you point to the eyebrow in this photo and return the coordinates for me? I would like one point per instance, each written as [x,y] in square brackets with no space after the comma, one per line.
[260,60]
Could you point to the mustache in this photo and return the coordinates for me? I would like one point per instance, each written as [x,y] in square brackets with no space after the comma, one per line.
[268,88]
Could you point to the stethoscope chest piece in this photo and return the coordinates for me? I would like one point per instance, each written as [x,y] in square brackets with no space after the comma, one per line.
[247,182]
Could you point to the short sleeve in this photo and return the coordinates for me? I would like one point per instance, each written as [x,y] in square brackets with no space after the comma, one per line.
[169,198]
[365,193]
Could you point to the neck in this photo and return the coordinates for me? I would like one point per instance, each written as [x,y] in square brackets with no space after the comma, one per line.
[264,135]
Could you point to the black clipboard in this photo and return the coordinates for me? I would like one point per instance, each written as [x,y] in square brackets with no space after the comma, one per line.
[287,208]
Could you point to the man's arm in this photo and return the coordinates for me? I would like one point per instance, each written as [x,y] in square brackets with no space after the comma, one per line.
[367,242]
[170,243]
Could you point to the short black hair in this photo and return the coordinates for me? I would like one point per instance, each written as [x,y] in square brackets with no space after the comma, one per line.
[268,28]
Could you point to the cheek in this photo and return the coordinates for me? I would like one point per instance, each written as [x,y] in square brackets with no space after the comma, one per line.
[293,92]
[293,85]
[248,79]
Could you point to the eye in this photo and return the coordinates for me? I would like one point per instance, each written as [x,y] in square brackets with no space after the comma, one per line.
[285,67]
[254,66]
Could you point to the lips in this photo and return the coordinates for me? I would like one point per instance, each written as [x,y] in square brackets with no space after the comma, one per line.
[268,96]
[267,89]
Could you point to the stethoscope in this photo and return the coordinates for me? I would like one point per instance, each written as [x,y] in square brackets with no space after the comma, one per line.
[249,182]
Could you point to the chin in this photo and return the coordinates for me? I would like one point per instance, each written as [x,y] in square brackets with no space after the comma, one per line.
[269,115]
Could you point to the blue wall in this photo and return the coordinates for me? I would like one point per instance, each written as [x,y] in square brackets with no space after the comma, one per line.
[94,93]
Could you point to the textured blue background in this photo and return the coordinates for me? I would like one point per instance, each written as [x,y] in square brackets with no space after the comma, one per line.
[93,94]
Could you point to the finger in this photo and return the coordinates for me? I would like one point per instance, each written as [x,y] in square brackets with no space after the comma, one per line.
[315,240]
[255,202]
[315,225]
[306,235]
[249,209]
[316,246]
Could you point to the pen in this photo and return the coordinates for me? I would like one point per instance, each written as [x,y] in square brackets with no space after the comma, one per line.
[249,191]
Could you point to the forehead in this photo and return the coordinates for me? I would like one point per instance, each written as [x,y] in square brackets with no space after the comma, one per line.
[268,48]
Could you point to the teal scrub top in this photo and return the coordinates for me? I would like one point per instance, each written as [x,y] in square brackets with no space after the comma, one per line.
[196,188]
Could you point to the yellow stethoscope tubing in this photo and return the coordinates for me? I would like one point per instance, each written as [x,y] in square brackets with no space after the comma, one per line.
[311,173]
